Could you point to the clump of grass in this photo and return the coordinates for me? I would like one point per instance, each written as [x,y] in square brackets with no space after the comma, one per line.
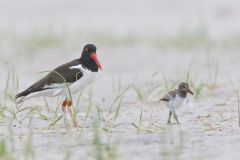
[184,39]
[67,154]
[97,142]
[48,38]
[141,92]
[118,108]
[140,120]
[111,122]
[171,147]
[199,85]
[212,85]
[102,151]
[28,147]
[55,121]
[10,105]
[12,83]
[90,105]
[40,40]
[114,39]
[69,94]
[139,123]
[4,153]
[198,89]
[119,95]
[2,111]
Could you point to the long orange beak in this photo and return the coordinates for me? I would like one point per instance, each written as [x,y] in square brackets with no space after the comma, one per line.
[94,58]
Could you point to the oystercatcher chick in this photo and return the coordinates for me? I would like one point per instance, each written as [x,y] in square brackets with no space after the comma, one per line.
[174,99]
[66,79]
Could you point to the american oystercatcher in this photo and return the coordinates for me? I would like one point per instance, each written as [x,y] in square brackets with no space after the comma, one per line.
[68,78]
[174,99]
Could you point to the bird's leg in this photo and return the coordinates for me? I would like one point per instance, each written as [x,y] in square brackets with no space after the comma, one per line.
[69,104]
[69,108]
[175,117]
[169,117]
[64,104]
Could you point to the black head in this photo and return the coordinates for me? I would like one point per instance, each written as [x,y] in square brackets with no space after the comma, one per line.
[89,48]
[184,87]
[89,57]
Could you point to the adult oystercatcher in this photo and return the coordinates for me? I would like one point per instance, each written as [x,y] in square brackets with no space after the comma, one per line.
[174,99]
[68,78]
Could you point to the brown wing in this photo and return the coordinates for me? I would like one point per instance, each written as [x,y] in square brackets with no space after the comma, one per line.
[64,73]
[60,75]
[170,95]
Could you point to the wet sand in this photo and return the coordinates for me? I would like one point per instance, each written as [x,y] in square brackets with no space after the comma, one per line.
[209,121]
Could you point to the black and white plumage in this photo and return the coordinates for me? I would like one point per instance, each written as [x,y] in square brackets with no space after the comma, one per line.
[174,99]
[77,74]
[73,76]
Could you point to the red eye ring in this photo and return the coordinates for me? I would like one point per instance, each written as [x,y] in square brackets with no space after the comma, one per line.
[86,49]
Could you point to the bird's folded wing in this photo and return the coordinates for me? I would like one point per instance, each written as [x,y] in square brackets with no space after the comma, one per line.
[56,79]
[169,96]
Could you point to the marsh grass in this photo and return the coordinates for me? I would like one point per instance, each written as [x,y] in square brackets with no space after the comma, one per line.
[4,153]
[212,85]
[2,110]
[11,88]
[171,144]
[101,150]
[48,38]
[67,154]
[113,38]
[118,108]
[197,87]
[12,83]
[200,85]
[89,108]
[118,96]
[184,39]
[52,117]
[37,40]
[140,120]
[108,117]
[140,92]
[149,128]
[28,147]
[113,113]
[75,111]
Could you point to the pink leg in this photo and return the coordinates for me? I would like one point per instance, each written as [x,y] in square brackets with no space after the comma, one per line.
[69,109]
[64,104]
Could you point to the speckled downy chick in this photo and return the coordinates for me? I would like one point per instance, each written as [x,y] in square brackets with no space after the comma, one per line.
[174,99]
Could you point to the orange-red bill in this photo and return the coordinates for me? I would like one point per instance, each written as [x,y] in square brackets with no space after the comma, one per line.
[94,58]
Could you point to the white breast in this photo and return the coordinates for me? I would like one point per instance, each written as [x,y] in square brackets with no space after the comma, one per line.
[84,81]
[175,103]
[178,101]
